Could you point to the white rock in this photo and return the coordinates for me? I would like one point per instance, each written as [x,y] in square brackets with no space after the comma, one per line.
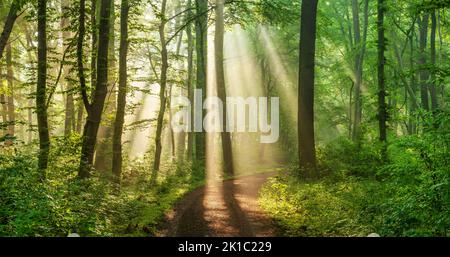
[373,235]
[73,235]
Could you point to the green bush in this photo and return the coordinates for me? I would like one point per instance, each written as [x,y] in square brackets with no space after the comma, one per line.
[64,204]
[321,208]
[358,193]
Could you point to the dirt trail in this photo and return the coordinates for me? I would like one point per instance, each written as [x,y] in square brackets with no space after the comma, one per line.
[229,208]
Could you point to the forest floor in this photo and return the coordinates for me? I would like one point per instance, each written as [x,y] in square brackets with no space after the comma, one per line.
[228,208]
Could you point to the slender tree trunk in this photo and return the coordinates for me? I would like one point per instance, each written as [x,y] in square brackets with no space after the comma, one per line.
[306,142]
[80,114]
[121,101]
[41,110]
[227,149]
[16,6]
[30,120]
[10,80]
[179,139]
[4,104]
[69,120]
[31,59]
[162,93]
[266,84]
[190,60]
[423,74]
[350,113]
[96,108]
[94,39]
[171,133]
[441,52]
[412,104]
[433,93]
[4,108]
[80,62]
[103,154]
[359,60]
[382,112]
[201,31]
[84,101]
[70,106]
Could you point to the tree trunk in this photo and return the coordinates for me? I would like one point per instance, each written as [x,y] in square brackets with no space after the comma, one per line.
[412,104]
[433,93]
[227,149]
[94,40]
[80,114]
[103,154]
[190,60]
[16,6]
[423,74]
[69,120]
[350,104]
[359,60]
[41,110]
[95,110]
[201,32]
[179,143]
[121,101]
[441,52]
[4,104]
[171,133]
[306,142]
[84,101]
[11,108]
[382,112]
[162,93]
[30,120]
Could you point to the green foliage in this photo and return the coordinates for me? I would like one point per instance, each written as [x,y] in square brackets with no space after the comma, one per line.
[64,204]
[343,157]
[314,209]
[59,206]
[407,196]
[280,12]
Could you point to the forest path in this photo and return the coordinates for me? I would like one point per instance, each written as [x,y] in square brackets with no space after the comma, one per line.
[228,208]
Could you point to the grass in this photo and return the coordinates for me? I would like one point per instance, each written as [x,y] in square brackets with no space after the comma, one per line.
[151,203]
[315,208]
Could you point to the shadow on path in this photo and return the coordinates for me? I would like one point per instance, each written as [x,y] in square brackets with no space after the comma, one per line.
[229,208]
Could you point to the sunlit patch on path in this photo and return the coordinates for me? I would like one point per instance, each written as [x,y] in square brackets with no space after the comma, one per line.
[222,209]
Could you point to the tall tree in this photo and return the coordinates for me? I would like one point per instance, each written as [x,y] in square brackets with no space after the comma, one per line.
[190,66]
[423,73]
[201,34]
[413,88]
[10,81]
[4,104]
[69,121]
[94,41]
[95,109]
[162,91]
[433,93]
[360,45]
[306,141]
[41,109]
[121,100]
[103,153]
[227,150]
[93,60]
[382,112]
